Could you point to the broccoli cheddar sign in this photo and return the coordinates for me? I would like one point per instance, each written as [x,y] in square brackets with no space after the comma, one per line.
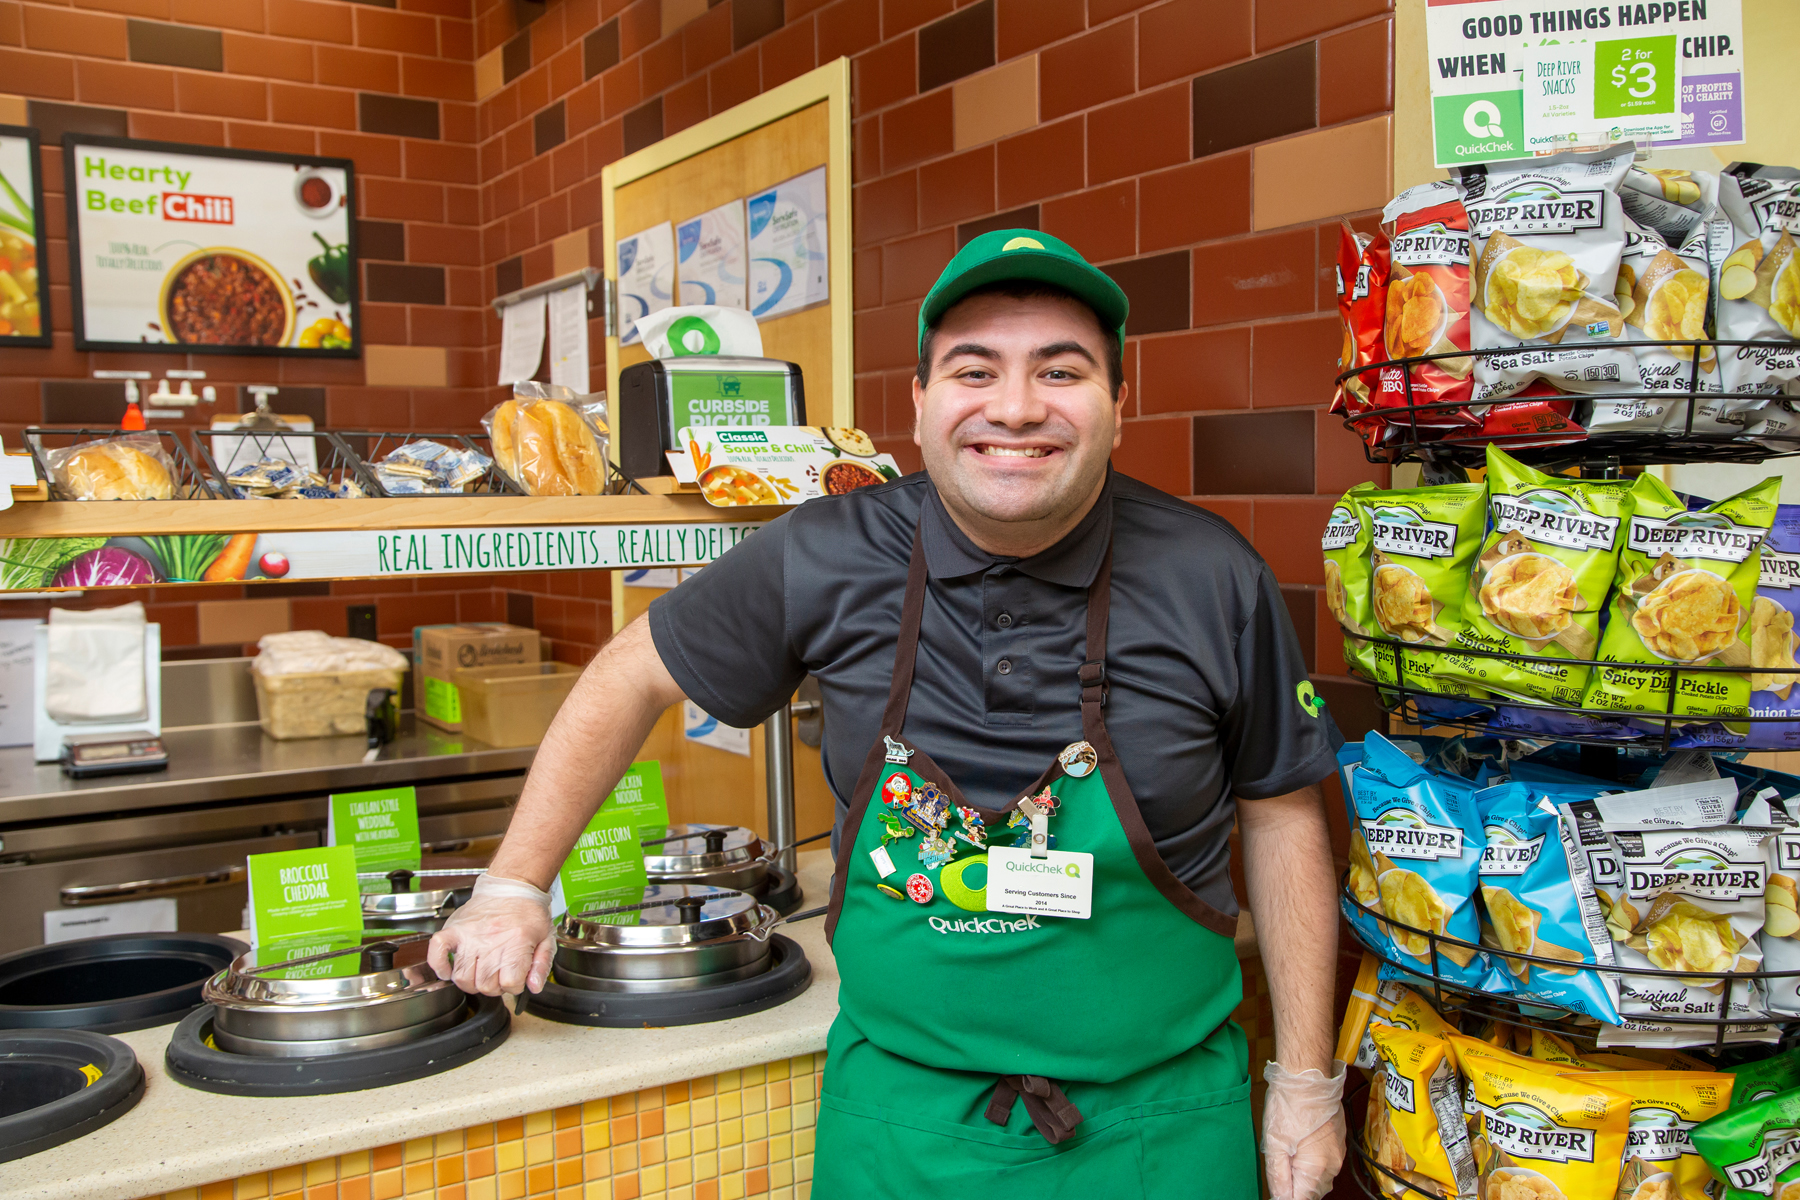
[196,249]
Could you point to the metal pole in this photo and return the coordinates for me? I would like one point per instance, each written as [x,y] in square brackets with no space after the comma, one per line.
[778,756]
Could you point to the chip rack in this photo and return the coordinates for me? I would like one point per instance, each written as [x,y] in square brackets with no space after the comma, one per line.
[192,481]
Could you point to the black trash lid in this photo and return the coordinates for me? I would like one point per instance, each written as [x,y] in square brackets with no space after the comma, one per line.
[58,1084]
[110,984]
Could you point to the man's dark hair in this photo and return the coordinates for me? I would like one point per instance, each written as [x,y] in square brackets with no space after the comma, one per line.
[1032,289]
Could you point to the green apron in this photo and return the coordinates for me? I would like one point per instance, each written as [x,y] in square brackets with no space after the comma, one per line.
[1113,1030]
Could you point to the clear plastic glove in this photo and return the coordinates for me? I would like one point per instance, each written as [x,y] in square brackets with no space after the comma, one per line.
[499,943]
[1303,1131]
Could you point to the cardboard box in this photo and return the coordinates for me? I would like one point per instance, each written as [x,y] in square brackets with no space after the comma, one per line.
[439,651]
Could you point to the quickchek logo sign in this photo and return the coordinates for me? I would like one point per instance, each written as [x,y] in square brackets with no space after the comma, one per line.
[1545,515]
[1402,833]
[983,925]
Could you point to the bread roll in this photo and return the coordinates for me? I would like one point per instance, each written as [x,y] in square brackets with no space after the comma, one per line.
[115,471]
[540,469]
[503,438]
[576,448]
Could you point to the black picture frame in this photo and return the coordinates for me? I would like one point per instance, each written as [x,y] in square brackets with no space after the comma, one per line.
[36,194]
[73,142]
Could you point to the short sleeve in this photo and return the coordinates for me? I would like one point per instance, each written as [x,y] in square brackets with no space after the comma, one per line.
[1277,737]
[723,635]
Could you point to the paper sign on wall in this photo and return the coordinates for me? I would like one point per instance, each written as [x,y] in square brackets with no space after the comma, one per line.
[131,916]
[697,725]
[569,337]
[521,339]
[304,895]
[646,277]
[789,266]
[714,257]
[381,826]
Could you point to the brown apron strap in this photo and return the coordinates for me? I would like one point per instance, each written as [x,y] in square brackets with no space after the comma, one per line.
[912,612]
[1093,671]
[1049,1109]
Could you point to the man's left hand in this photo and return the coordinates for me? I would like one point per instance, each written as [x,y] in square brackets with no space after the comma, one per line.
[1303,1131]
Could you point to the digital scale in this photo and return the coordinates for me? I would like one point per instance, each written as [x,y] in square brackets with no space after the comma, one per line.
[113,754]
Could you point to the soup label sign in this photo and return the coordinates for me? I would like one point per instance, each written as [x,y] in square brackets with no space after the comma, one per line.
[781,464]
[210,251]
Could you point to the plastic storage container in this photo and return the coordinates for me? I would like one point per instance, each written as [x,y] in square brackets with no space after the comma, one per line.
[513,706]
[321,704]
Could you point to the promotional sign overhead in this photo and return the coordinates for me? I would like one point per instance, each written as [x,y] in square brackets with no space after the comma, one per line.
[24,315]
[199,250]
[1513,78]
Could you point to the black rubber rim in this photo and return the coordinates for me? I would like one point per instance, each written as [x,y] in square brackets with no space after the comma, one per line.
[115,951]
[784,894]
[191,1061]
[787,977]
[105,1100]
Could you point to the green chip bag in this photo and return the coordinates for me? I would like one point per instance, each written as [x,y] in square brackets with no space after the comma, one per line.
[1421,541]
[1540,581]
[1765,1077]
[1683,594]
[1751,1147]
[1346,548]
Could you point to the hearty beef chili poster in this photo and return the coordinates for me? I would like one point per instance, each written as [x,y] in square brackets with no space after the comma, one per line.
[210,251]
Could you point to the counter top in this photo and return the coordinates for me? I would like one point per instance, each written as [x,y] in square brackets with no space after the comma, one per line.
[237,762]
[178,1137]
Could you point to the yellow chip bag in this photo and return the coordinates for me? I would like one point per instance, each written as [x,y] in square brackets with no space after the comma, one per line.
[1541,1136]
[1419,1134]
[1660,1161]
[1382,1004]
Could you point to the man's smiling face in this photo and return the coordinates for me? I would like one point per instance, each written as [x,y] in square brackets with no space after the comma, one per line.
[1016,419]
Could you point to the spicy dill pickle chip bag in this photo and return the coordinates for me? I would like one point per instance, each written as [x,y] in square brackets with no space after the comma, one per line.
[1419,1133]
[1362,283]
[1422,541]
[1539,901]
[1346,548]
[1540,1136]
[1540,580]
[1660,1161]
[1684,594]
[1751,1146]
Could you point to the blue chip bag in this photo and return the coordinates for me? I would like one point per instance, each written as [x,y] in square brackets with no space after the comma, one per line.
[1772,640]
[1416,842]
[1540,901]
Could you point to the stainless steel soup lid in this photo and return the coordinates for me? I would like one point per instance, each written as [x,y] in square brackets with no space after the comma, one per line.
[670,914]
[406,894]
[373,971]
[693,849]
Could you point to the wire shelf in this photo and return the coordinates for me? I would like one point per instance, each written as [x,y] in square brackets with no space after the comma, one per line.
[191,481]
[225,451]
[1424,431]
[366,448]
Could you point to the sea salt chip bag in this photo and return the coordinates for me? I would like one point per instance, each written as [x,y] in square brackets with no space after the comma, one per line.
[1663,293]
[1780,935]
[1773,642]
[1758,281]
[1548,234]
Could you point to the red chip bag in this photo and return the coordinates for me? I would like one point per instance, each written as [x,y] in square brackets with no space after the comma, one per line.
[1537,415]
[1362,300]
[1427,305]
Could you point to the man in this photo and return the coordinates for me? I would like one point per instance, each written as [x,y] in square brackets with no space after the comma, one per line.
[1043,677]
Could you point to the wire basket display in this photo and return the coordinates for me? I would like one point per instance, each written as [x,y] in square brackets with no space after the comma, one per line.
[229,451]
[191,482]
[366,449]
[1415,430]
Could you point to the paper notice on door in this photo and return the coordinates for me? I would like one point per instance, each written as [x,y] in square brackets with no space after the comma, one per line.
[133,916]
[521,339]
[789,268]
[697,725]
[714,257]
[569,338]
[646,277]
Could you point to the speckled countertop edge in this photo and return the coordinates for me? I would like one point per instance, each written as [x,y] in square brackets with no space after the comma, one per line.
[179,1137]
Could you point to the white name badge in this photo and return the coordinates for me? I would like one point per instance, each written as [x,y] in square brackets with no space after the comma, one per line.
[1058,885]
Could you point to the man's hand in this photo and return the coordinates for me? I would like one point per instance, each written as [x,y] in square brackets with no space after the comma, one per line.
[499,943]
[1303,1131]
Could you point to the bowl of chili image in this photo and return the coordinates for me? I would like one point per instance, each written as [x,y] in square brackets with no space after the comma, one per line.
[222,296]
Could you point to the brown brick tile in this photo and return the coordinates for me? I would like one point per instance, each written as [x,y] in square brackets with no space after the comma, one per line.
[885,75]
[12,23]
[1338,461]
[462,205]
[1287,536]
[1014,218]
[916,131]
[153,9]
[911,266]
[492,28]
[92,35]
[565,70]
[175,45]
[282,139]
[245,15]
[1248,278]
[38,74]
[442,161]
[957,188]
[1254,453]
[438,8]
[311,20]
[456,39]
[1356,73]
[686,105]
[292,104]
[1101,223]
[1144,133]
[1188,372]
[1254,101]
[437,78]
[449,244]
[165,127]
[886,208]
[398,200]
[584,107]
[534,90]
[705,40]
[100,82]
[275,58]
[518,145]
[568,167]
[753,20]
[390,29]
[621,88]
[957,45]
[788,53]
[1196,202]
[865,274]
[1158,286]
[549,33]
[799,8]
[222,96]
[735,80]
[373,155]
[661,65]
[1295,362]
[1088,70]
[1027,24]
[383,324]
[1158,452]
[1281,21]
[1186,37]
[1101,11]
[847,28]
[534,184]
[899,16]
[868,411]
[887,338]
[365,70]
[1046,161]
[639,25]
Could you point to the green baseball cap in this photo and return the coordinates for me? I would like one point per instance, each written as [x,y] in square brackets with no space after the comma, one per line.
[1005,254]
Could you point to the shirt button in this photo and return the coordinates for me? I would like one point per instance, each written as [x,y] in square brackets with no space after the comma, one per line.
[1005,666]
[1004,620]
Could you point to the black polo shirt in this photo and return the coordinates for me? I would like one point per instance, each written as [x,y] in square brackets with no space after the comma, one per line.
[1202,663]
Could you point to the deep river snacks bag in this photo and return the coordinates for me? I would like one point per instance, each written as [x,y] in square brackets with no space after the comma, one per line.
[1362,283]
[1548,233]
[1345,545]
[1754,1146]
[1660,1161]
[1758,280]
[1428,303]
[1422,835]
[1773,642]
[1539,901]
[1540,1136]
[1683,594]
[1780,935]
[1377,1003]
[1422,541]
[1421,1135]
[1765,1077]
[1540,580]
[1663,294]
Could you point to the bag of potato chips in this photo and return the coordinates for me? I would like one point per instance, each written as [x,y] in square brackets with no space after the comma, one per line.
[1660,1161]
[1773,641]
[1663,295]
[1540,580]
[1764,1078]
[1548,233]
[1346,548]
[1362,283]
[1683,594]
[1758,280]
[1419,1134]
[1427,310]
[1421,541]
[1539,901]
[1377,1003]
[1540,1136]
[1670,200]
[1754,1147]
[1780,935]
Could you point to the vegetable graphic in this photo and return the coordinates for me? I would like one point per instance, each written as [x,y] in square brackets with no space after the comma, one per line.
[331,271]
[274,564]
[107,566]
[185,557]
[18,265]
[28,563]
[234,560]
[326,333]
